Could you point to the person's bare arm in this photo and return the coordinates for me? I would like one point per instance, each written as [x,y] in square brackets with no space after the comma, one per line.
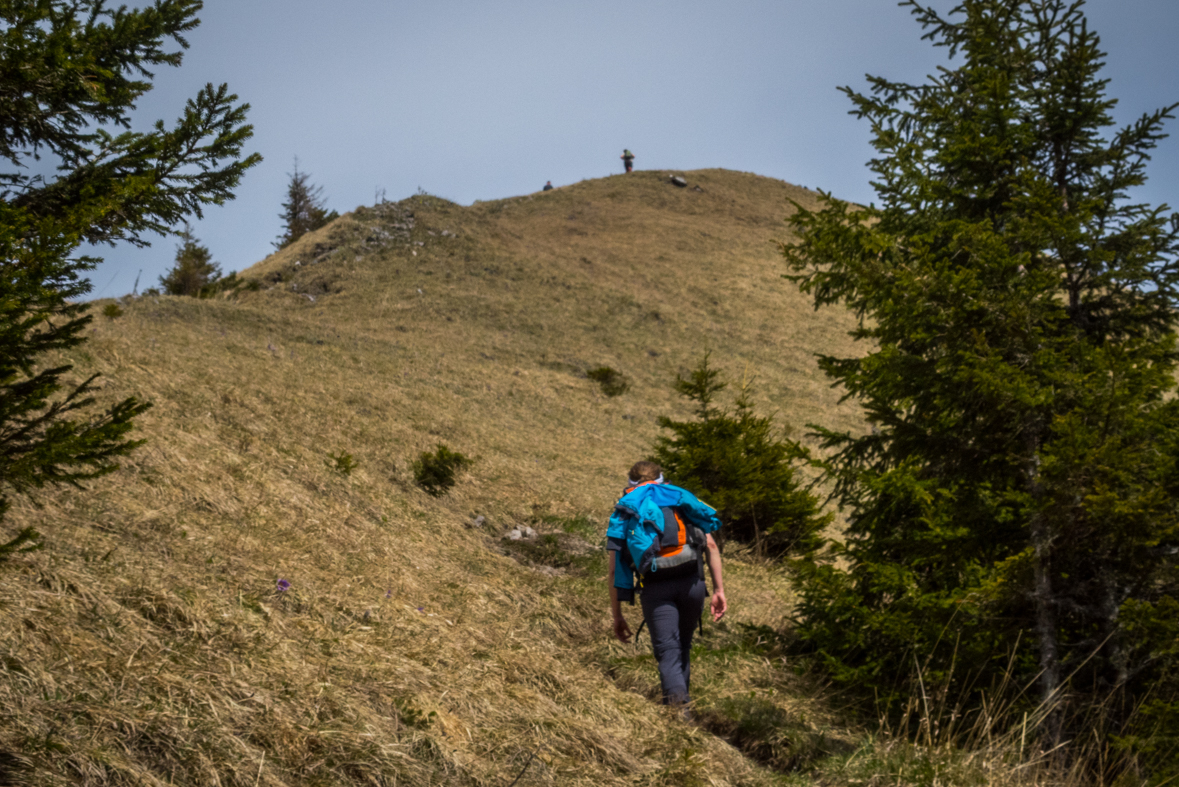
[719,604]
[621,628]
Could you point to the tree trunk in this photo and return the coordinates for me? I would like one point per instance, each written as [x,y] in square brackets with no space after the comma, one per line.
[1045,604]
[1044,600]
[1110,610]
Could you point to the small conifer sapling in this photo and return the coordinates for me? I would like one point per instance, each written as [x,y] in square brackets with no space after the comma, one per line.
[305,209]
[193,273]
[741,465]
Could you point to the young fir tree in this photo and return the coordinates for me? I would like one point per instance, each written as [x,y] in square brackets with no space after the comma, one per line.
[70,74]
[1014,502]
[194,272]
[737,462]
[305,209]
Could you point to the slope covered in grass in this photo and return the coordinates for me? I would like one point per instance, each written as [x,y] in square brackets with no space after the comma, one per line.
[150,643]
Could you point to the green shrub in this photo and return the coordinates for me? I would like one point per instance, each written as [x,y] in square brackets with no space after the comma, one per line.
[434,472]
[343,463]
[412,716]
[111,311]
[613,382]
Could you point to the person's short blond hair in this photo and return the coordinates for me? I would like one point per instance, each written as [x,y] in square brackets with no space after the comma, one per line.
[644,471]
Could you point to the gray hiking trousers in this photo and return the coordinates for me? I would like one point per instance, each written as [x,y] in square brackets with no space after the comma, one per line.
[672,609]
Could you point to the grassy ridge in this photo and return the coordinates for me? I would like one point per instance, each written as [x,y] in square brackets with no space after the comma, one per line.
[150,642]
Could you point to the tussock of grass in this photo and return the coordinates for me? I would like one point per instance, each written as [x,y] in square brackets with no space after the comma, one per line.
[151,642]
[613,382]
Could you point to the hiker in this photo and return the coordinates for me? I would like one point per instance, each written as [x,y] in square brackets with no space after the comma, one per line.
[548,186]
[663,534]
[628,159]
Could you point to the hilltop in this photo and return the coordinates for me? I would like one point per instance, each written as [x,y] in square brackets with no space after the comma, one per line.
[149,643]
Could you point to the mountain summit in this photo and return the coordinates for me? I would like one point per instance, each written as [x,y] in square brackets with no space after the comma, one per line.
[263,595]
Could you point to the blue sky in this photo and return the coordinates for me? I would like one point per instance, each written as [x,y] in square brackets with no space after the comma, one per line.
[477,100]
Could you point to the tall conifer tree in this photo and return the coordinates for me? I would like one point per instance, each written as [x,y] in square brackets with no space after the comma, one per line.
[70,74]
[1016,493]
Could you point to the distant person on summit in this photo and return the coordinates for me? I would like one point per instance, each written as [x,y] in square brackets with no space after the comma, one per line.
[548,186]
[628,159]
[658,542]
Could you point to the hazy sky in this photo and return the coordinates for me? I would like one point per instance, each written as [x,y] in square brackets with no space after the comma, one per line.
[478,100]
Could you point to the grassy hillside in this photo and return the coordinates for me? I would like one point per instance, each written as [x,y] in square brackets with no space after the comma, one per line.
[150,644]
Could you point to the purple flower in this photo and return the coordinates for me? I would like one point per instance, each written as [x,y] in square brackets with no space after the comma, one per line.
[421,609]
[283,586]
[389,593]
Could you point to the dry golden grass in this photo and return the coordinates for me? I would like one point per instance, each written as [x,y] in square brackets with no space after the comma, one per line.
[149,643]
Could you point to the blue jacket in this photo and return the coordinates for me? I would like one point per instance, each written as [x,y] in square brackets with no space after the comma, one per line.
[637,524]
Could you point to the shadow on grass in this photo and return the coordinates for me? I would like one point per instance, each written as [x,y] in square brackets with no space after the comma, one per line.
[769,734]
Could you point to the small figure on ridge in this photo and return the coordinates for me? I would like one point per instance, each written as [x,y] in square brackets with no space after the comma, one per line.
[628,159]
[548,186]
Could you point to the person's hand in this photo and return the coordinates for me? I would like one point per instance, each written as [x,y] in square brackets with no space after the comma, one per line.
[719,605]
[621,629]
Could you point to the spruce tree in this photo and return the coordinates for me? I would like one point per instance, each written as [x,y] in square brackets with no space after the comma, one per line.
[305,209]
[736,461]
[1014,501]
[194,271]
[70,74]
